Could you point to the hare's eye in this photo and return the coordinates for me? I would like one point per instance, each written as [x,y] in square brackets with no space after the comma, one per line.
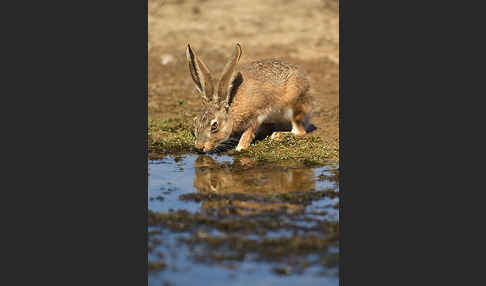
[214,126]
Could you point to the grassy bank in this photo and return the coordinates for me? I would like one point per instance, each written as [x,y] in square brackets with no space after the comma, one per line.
[174,135]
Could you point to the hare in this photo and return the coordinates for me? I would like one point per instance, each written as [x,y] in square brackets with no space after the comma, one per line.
[268,91]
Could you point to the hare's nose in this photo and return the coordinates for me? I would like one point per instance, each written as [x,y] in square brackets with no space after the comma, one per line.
[199,147]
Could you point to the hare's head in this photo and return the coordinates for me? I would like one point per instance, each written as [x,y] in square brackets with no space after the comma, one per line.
[213,125]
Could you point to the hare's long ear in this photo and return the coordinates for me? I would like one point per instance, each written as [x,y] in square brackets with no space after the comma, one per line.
[200,74]
[228,77]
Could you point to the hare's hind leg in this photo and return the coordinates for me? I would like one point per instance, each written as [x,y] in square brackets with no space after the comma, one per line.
[298,128]
[302,110]
[298,124]
[297,117]
[300,107]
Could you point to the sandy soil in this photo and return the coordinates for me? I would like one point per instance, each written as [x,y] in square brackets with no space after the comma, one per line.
[305,33]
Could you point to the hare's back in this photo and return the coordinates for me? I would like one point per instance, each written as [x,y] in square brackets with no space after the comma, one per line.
[272,71]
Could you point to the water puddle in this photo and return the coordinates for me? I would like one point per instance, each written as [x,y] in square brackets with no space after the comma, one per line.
[229,220]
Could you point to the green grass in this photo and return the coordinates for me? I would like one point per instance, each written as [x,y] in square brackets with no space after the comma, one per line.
[170,136]
[309,149]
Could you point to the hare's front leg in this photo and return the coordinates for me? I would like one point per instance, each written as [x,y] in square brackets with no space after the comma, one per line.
[246,139]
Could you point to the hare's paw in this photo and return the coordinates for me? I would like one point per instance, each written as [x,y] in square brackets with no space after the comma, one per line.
[240,148]
[243,145]
[278,135]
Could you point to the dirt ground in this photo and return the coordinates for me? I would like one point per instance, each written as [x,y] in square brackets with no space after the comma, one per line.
[305,33]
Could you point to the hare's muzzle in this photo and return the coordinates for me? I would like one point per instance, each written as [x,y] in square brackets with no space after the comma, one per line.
[199,148]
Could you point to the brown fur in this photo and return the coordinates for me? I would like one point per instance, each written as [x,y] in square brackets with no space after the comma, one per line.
[249,95]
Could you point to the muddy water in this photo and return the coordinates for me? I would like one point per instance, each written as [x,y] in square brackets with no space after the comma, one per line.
[232,221]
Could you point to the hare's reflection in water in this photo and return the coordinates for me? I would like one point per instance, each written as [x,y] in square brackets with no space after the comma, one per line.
[243,176]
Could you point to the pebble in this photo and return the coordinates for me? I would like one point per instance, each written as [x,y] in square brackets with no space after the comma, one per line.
[165,59]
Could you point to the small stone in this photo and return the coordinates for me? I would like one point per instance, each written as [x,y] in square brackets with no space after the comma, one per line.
[165,59]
